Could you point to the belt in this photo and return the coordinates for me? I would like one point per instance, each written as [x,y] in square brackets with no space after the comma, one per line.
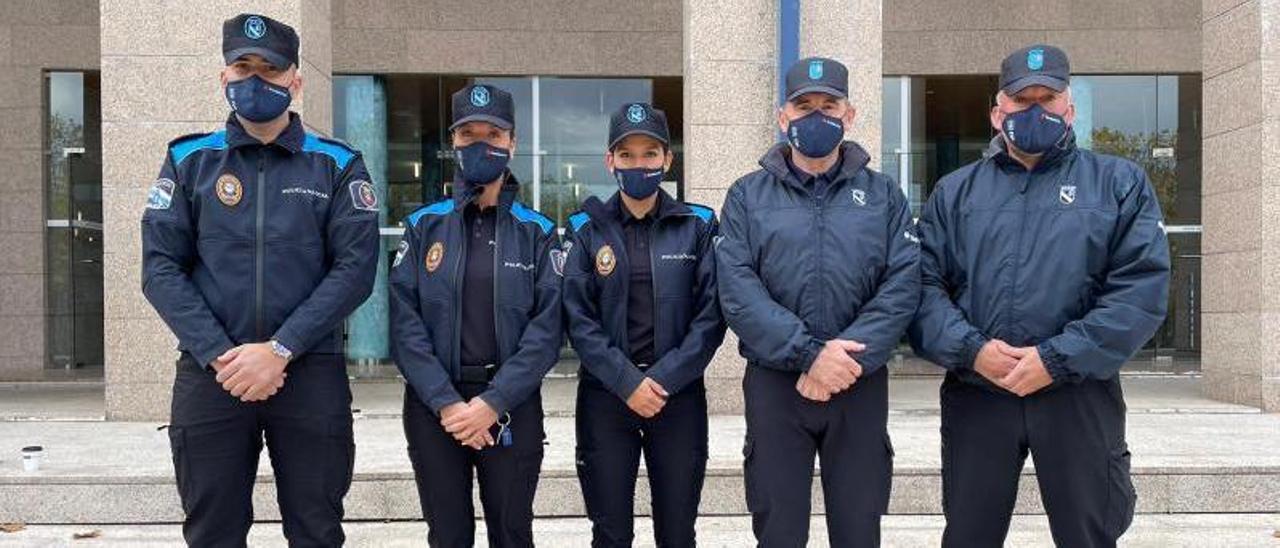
[478,373]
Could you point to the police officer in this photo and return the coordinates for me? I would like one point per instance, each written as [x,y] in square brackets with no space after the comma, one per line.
[640,295]
[257,241]
[1045,267]
[819,277]
[475,324]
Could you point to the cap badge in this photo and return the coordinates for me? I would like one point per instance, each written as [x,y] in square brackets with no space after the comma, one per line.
[1035,59]
[255,28]
[815,70]
[635,113]
[480,96]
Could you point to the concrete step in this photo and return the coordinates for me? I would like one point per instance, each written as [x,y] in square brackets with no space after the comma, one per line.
[1186,460]
[1147,531]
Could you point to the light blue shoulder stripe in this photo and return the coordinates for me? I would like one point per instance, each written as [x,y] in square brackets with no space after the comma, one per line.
[577,220]
[182,149]
[703,212]
[340,153]
[526,215]
[443,207]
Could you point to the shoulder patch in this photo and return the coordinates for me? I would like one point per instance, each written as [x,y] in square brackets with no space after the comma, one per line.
[578,220]
[443,207]
[338,150]
[703,212]
[526,215]
[182,147]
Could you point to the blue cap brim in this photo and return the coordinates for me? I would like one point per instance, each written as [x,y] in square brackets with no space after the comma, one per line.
[644,132]
[817,89]
[273,57]
[481,118]
[1051,82]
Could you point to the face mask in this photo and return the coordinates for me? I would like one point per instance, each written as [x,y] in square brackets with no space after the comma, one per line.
[1034,130]
[258,100]
[482,163]
[815,134]
[638,182]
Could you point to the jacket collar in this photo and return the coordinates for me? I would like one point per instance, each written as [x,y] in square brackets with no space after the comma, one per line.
[464,193]
[853,158]
[290,139]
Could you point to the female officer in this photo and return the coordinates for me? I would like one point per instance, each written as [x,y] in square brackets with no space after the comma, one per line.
[640,295]
[476,323]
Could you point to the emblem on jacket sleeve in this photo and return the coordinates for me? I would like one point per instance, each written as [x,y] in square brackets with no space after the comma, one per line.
[161,194]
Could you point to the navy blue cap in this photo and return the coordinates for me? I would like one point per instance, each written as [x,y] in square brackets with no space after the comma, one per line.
[817,74]
[483,103]
[1035,65]
[638,119]
[251,33]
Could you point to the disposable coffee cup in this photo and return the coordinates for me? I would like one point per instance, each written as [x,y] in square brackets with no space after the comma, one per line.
[31,457]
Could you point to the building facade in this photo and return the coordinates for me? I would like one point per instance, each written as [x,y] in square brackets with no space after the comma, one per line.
[94,90]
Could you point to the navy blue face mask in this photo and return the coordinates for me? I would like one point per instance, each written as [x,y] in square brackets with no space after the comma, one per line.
[258,100]
[815,135]
[1034,130]
[638,182]
[482,163]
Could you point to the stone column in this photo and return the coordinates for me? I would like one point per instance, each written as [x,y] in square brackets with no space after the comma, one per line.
[849,31]
[730,59]
[1241,200]
[160,65]
[730,94]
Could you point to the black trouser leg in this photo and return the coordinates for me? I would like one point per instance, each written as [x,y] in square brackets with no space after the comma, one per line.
[608,454]
[442,468]
[675,456]
[778,457]
[983,449]
[215,441]
[857,461]
[508,476]
[310,440]
[1082,461]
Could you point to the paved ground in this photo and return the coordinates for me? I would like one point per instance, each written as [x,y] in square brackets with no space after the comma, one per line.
[1148,531]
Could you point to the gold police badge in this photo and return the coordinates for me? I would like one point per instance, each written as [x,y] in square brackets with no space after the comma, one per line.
[605,260]
[434,256]
[229,189]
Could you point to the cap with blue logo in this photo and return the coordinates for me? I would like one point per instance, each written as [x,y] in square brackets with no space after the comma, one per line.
[483,103]
[1035,65]
[250,33]
[817,75]
[638,119]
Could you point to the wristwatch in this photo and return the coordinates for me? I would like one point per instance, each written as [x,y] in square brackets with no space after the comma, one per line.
[280,350]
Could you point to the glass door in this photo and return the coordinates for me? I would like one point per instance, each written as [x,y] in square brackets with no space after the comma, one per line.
[73,227]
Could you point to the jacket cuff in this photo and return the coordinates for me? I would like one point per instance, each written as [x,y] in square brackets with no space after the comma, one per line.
[628,381]
[440,401]
[209,352]
[973,344]
[289,341]
[809,354]
[1056,364]
[498,402]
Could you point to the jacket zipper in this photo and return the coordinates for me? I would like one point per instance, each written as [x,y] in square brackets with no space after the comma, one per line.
[457,298]
[260,243]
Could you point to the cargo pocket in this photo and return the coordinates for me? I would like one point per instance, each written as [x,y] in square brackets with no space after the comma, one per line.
[1122,498]
[181,467]
[342,460]
[755,503]
[883,504]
